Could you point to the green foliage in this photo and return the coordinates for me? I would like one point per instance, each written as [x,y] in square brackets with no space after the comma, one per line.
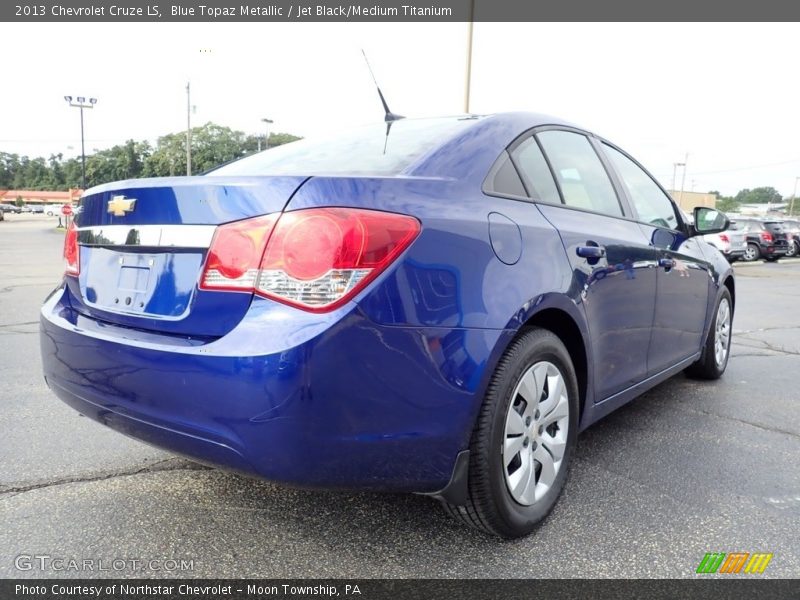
[759,195]
[20,201]
[212,146]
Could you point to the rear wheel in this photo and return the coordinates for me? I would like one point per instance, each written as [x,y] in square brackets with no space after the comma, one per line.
[714,360]
[523,439]
[751,253]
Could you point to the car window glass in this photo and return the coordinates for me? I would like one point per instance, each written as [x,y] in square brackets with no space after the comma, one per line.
[582,177]
[504,178]
[652,204]
[537,174]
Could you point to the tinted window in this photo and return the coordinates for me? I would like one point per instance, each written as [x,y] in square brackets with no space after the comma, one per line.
[504,178]
[362,150]
[652,205]
[582,177]
[537,174]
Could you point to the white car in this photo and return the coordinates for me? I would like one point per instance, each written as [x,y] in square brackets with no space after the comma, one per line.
[732,243]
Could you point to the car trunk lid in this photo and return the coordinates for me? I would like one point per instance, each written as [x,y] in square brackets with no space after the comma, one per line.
[142,245]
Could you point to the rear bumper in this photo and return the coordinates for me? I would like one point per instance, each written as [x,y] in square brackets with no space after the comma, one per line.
[331,401]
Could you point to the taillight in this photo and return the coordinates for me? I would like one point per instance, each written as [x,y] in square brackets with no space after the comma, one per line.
[72,254]
[724,238]
[235,253]
[315,259]
[766,237]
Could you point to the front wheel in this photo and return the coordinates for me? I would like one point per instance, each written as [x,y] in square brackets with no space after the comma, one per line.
[714,359]
[523,439]
[791,250]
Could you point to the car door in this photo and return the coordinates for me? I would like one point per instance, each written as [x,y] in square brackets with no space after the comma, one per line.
[612,261]
[683,283]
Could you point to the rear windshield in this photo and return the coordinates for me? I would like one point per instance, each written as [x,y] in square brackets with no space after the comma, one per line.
[360,151]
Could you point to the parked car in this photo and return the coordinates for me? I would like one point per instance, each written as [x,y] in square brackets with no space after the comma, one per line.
[767,242]
[53,209]
[732,243]
[792,229]
[10,208]
[435,307]
[37,208]
[2,215]
[25,209]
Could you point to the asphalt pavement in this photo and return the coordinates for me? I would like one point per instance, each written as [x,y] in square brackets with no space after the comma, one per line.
[690,467]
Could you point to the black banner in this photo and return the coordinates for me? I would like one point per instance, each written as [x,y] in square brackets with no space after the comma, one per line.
[394,10]
[733,588]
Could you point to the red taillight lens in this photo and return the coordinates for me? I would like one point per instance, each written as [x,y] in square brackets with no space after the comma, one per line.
[318,259]
[235,253]
[315,259]
[724,238]
[72,254]
[766,237]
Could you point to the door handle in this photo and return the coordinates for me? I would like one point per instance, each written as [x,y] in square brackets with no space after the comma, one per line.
[590,251]
[667,263]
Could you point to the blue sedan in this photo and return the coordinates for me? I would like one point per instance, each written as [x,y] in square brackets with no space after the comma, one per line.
[438,307]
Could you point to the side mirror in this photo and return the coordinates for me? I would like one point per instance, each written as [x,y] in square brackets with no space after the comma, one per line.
[709,220]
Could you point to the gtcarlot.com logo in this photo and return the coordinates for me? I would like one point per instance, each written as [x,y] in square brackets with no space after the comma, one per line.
[46,562]
[734,562]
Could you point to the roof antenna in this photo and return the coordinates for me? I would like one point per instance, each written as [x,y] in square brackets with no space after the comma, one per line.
[389,117]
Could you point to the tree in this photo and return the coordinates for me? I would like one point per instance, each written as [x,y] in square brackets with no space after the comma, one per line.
[212,146]
[759,195]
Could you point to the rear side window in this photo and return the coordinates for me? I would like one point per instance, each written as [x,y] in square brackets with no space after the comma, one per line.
[652,205]
[583,179]
[535,172]
[504,179]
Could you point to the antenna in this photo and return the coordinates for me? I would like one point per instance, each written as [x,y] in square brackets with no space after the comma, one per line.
[390,116]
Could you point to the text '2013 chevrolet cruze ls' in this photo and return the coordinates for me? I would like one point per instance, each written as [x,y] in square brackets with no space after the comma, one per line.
[439,308]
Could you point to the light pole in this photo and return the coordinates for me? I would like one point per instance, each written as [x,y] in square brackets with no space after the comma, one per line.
[188,129]
[683,179]
[674,170]
[267,123]
[794,193]
[80,102]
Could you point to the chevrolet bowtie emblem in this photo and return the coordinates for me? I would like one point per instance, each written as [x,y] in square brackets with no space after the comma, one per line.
[119,205]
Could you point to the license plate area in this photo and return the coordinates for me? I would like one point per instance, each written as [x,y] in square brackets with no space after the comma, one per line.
[148,284]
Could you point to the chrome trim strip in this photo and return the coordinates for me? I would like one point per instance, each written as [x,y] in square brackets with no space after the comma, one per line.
[170,236]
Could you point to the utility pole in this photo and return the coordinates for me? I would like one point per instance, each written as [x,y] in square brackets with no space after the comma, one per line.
[468,81]
[188,130]
[794,193]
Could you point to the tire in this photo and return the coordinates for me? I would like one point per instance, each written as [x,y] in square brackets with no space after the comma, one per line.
[492,506]
[714,360]
[751,253]
[791,250]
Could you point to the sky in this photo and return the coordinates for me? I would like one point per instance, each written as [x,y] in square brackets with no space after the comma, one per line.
[725,94]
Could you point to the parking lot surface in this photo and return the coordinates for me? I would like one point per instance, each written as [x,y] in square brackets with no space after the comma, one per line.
[691,467]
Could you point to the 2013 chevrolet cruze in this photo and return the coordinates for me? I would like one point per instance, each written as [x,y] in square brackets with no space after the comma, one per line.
[439,308]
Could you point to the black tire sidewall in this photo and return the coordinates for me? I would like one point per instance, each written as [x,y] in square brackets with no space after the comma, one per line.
[518,519]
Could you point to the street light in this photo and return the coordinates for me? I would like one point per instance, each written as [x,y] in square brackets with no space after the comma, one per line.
[81,104]
[267,123]
[674,169]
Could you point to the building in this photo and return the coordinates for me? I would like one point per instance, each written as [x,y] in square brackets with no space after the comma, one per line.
[39,196]
[688,200]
